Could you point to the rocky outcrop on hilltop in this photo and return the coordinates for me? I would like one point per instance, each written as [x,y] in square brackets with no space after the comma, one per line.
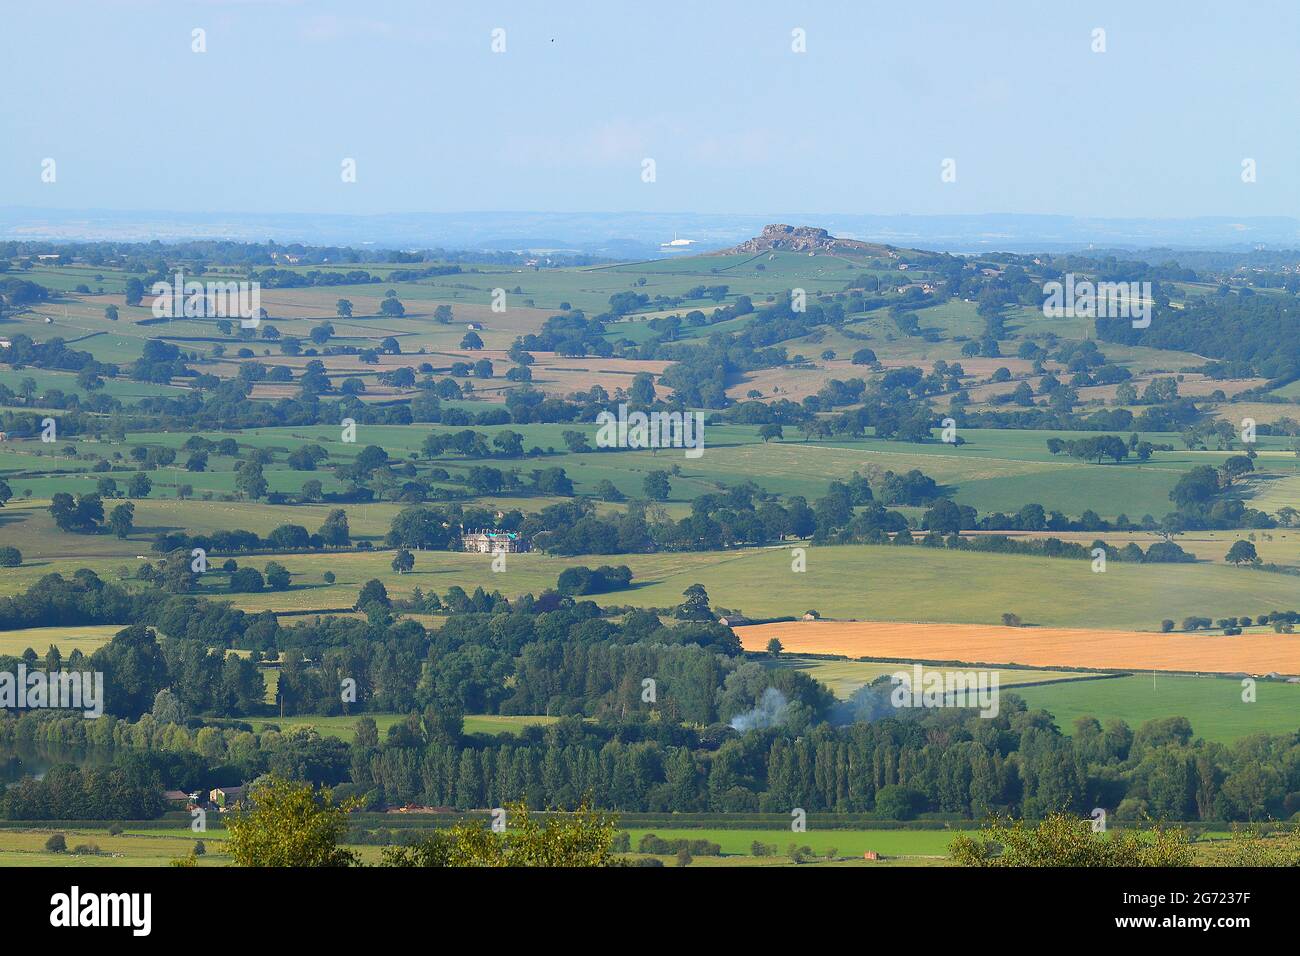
[779,237]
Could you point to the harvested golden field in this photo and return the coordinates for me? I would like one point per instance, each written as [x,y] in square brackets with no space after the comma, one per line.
[557,375]
[553,374]
[1277,545]
[1192,385]
[1255,652]
[797,383]
[1262,412]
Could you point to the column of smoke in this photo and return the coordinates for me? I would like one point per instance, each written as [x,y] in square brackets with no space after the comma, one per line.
[867,704]
[770,712]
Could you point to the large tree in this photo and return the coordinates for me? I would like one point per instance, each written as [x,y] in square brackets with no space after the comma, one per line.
[1242,552]
[581,839]
[290,824]
[656,486]
[122,519]
[696,606]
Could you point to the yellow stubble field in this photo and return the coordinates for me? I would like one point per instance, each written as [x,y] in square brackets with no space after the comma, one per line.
[1254,652]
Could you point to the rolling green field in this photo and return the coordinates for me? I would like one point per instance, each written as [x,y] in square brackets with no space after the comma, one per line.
[881,582]
[850,582]
[142,848]
[911,843]
[1214,705]
[46,379]
[159,847]
[345,727]
[86,639]
[20,847]
[843,677]
[996,470]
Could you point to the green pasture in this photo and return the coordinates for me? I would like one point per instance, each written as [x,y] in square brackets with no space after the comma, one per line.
[996,470]
[85,638]
[910,843]
[122,388]
[345,727]
[857,581]
[1214,705]
[843,677]
[141,848]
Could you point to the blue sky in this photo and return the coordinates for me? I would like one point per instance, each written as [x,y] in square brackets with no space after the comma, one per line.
[736,122]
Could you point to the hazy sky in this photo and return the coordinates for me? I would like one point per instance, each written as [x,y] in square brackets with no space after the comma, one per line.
[1158,125]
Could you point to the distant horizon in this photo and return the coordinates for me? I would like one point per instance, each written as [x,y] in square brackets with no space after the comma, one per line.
[641,233]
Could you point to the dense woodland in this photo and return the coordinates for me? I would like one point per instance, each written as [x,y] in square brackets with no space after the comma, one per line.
[721,732]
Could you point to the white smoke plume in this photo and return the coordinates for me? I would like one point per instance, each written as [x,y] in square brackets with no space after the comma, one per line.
[770,712]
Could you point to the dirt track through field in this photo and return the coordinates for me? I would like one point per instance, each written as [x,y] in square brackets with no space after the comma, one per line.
[1046,647]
